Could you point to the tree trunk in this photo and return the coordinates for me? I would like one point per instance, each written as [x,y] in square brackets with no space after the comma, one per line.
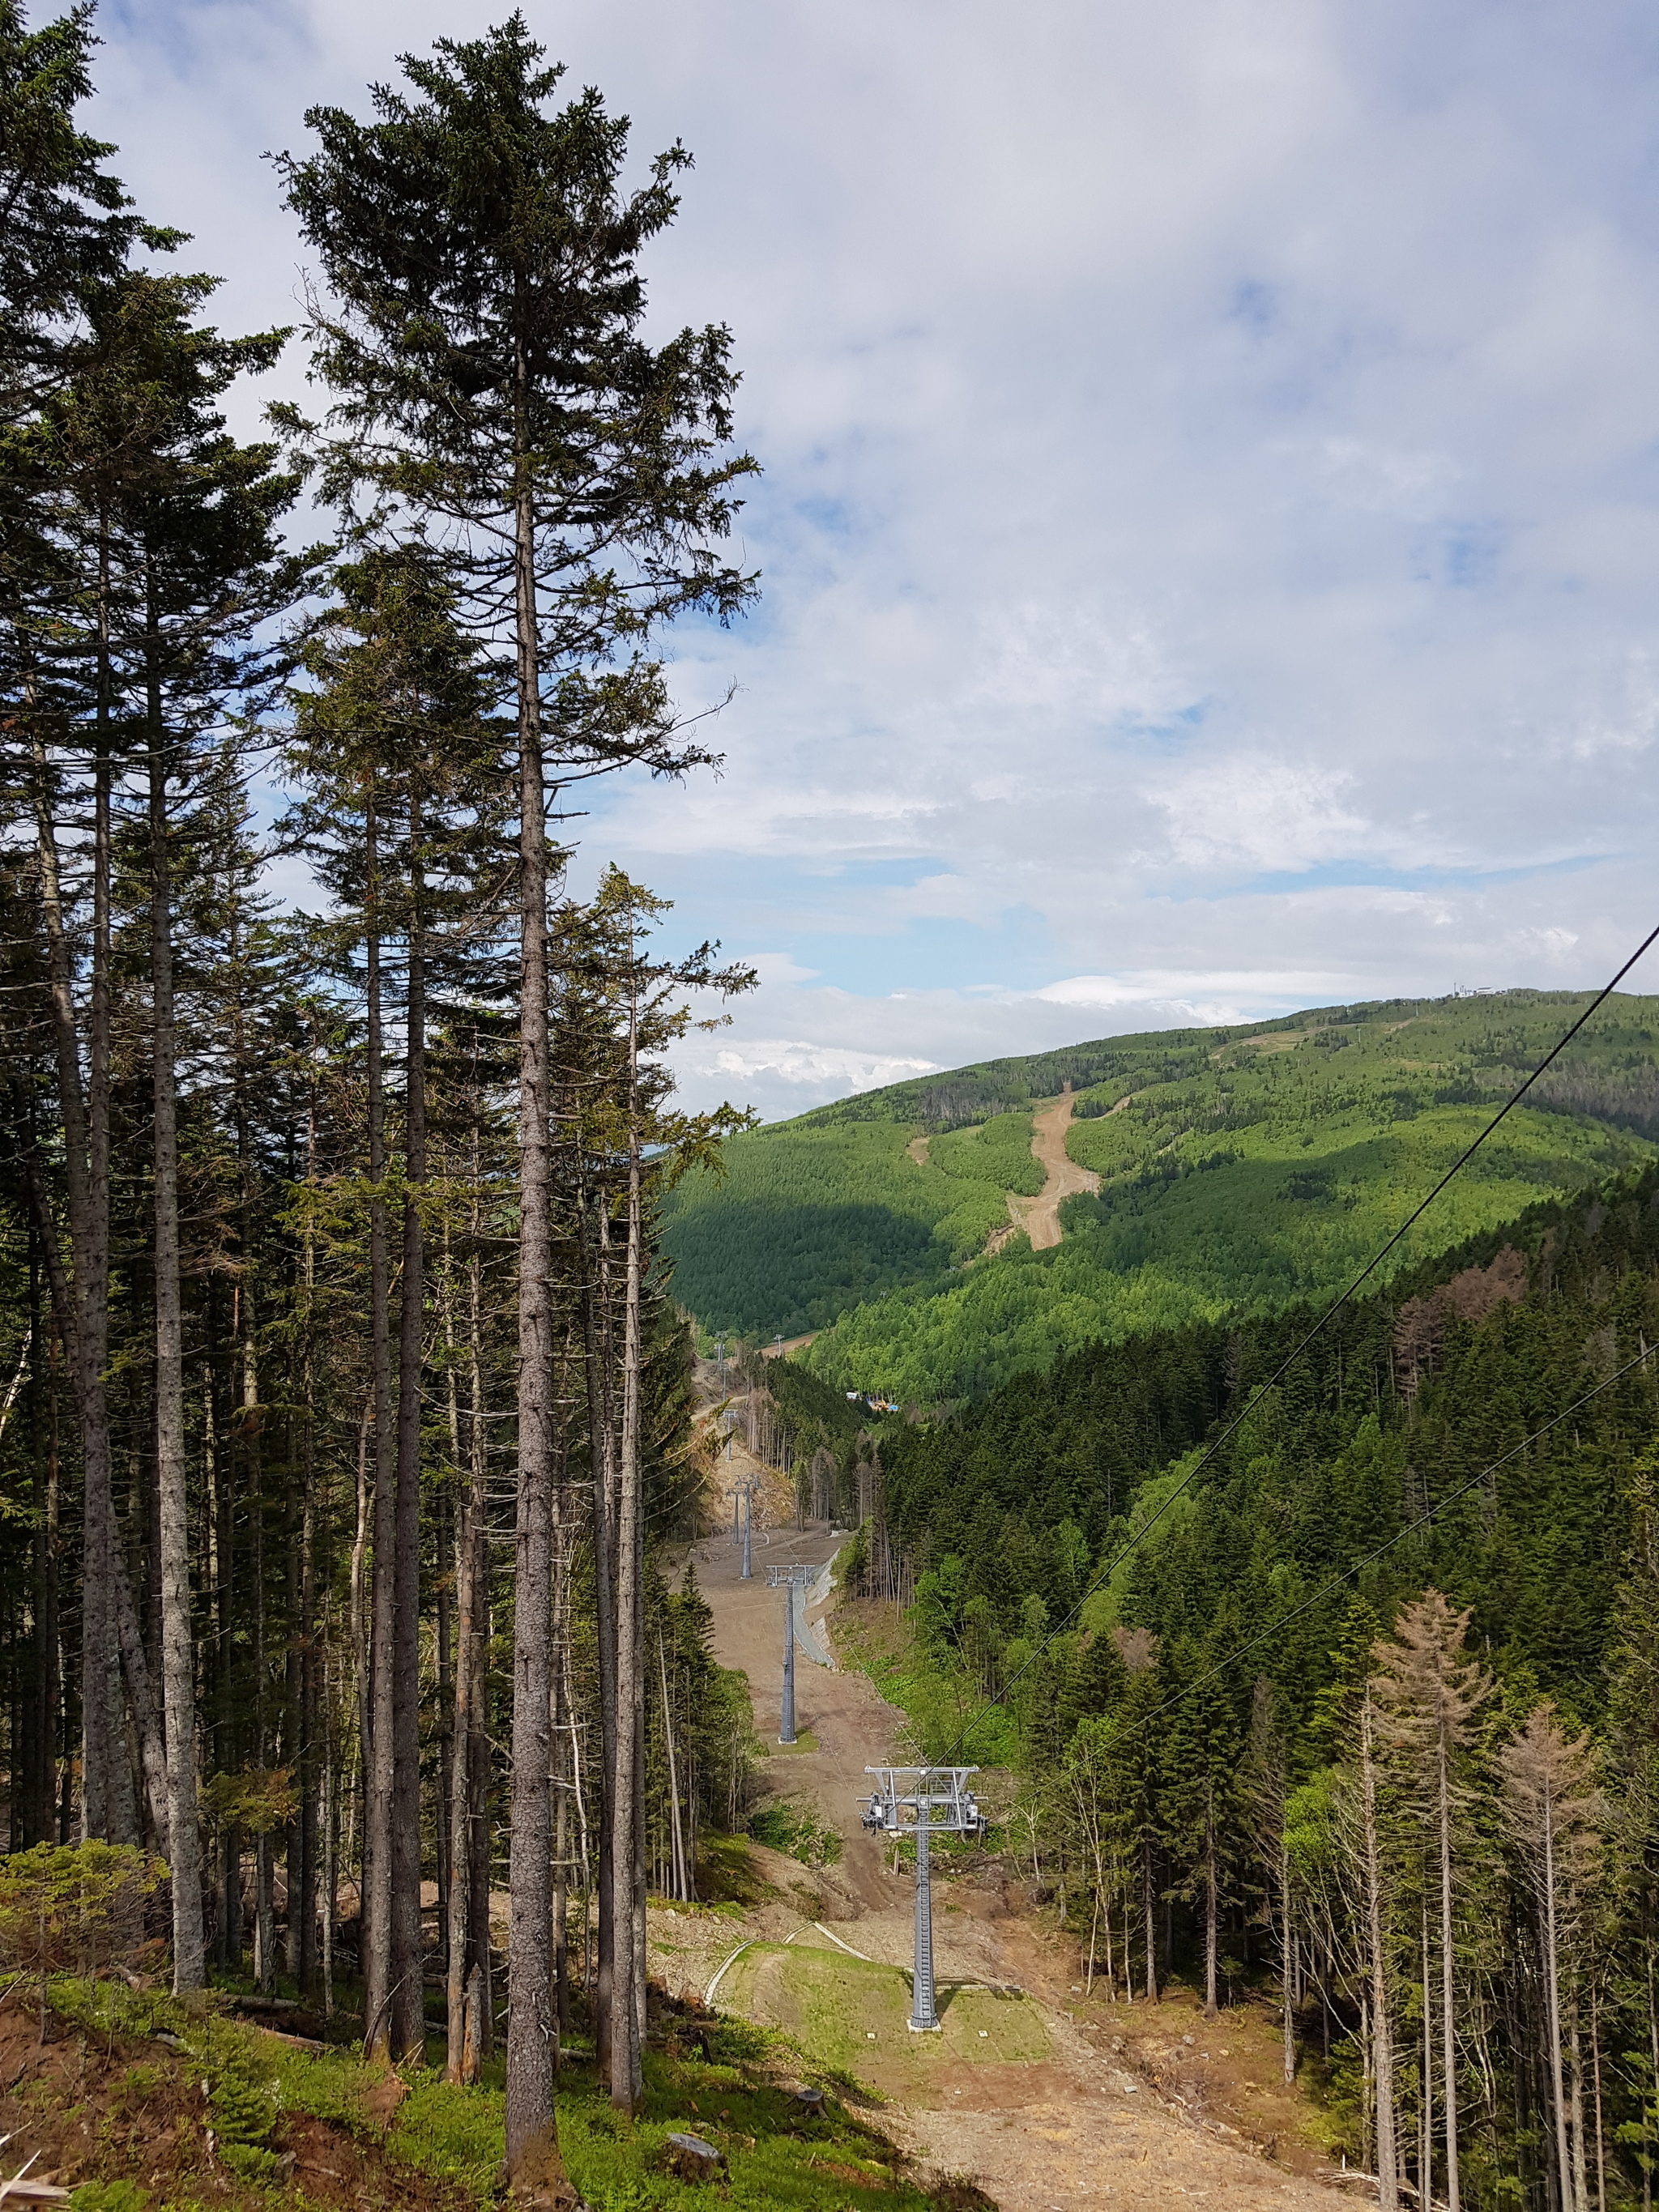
[177,1637]
[600,1439]
[407,2025]
[1448,1961]
[1388,2174]
[85,1115]
[1595,2084]
[558,1743]
[625,1801]
[378,1924]
[1547,1931]
[532,2154]
[465,1781]
[1287,1963]
[1580,2176]
[1211,1937]
[1425,2114]
[1148,1909]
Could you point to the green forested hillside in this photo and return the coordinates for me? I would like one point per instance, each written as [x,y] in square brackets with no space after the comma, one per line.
[1238,1168]
[1225,1758]
[814,1216]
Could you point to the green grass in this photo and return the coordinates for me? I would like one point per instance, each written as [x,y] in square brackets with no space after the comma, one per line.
[946,1709]
[833,2006]
[804,1741]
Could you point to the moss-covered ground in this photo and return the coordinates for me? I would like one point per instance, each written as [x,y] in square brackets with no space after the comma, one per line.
[140,2105]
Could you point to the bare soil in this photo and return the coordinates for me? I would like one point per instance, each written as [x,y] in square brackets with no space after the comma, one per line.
[1039,1217]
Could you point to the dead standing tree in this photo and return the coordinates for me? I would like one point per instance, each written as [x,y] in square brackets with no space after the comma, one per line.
[1555,1816]
[1427,1691]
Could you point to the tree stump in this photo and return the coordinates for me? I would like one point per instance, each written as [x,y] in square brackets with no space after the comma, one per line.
[692,2159]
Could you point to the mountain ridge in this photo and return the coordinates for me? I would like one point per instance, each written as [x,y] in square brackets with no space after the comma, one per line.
[1239,1167]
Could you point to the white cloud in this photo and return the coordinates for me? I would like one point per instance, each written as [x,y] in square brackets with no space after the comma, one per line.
[1202,443]
[1247,810]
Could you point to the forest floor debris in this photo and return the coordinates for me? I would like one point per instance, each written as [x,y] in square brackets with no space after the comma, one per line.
[238,2120]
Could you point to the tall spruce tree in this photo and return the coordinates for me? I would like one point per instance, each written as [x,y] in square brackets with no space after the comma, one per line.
[481,339]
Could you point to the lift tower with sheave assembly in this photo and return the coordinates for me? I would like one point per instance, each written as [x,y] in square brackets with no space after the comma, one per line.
[743,1493]
[789,1579]
[920,1801]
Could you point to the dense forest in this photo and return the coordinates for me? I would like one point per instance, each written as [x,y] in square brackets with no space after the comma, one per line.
[1237,1167]
[343,1405]
[1349,1685]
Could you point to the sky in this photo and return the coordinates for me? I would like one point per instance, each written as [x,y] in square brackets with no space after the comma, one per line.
[1209,526]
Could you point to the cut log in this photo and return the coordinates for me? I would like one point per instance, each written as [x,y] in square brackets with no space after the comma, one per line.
[301,2042]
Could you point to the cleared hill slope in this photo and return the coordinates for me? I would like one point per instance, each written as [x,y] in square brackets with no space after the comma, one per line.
[1238,1168]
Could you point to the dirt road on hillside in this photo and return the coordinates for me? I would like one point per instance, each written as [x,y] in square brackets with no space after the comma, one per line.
[1039,1217]
[1133,2106]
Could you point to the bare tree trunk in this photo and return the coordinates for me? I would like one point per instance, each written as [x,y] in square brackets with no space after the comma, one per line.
[457,1915]
[85,1114]
[452,1507]
[407,2025]
[1580,2178]
[481,2022]
[356,1623]
[1149,1912]
[556,1719]
[1547,1931]
[1288,1967]
[1388,2172]
[676,1840]
[313,1778]
[600,1439]
[625,1801]
[1211,1937]
[1595,2083]
[177,1637]
[532,2153]
[379,1922]
[465,1781]
[1448,1958]
[1426,2133]
[328,1816]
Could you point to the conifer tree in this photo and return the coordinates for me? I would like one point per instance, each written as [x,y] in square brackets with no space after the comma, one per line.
[481,343]
[1202,1756]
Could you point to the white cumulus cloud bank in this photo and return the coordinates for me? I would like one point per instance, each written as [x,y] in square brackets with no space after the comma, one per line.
[1211,497]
